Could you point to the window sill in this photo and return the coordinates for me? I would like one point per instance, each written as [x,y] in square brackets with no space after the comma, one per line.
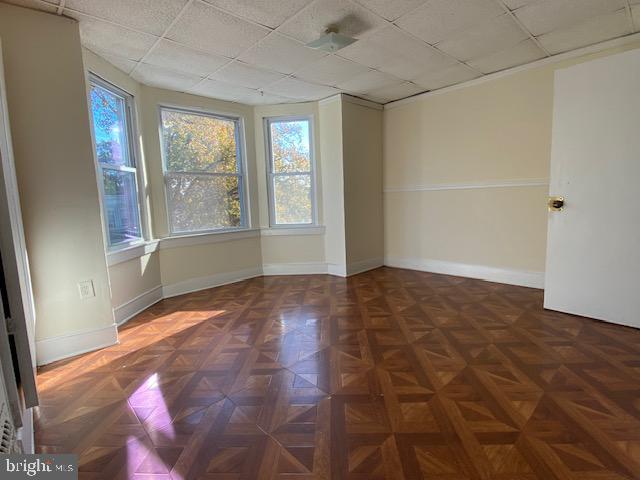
[177,241]
[129,253]
[293,231]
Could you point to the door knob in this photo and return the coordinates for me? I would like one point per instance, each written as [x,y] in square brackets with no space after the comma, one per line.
[556,204]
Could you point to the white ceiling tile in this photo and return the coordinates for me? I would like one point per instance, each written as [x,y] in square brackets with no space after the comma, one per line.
[489,37]
[331,70]
[206,28]
[246,75]
[150,16]
[36,4]
[445,77]
[587,33]
[368,81]
[281,54]
[513,4]
[437,19]
[121,63]
[178,57]
[254,97]
[350,19]
[391,9]
[221,90]
[102,37]
[395,92]
[524,52]
[264,12]
[164,78]
[393,51]
[549,15]
[294,88]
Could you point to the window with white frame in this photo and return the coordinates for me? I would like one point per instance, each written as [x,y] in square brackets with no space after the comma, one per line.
[204,171]
[112,116]
[291,171]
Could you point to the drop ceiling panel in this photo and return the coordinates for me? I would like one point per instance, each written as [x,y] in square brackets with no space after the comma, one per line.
[206,28]
[178,57]
[350,19]
[36,4]
[265,12]
[403,45]
[164,78]
[331,70]
[281,54]
[245,75]
[393,51]
[484,39]
[394,92]
[123,64]
[446,77]
[549,15]
[391,9]
[369,81]
[437,19]
[150,16]
[294,88]
[587,33]
[255,97]
[513,4]
[221,90]
[524,52]
[102,37]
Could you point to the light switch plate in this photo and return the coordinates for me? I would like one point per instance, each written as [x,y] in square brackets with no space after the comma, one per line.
[86,289]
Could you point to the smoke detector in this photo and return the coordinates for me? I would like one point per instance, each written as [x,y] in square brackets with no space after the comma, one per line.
[331,41]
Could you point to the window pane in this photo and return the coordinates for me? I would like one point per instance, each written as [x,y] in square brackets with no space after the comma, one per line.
[290,146]
[199,143]
[292,199]
[203,202]
[110,127]
[121,206]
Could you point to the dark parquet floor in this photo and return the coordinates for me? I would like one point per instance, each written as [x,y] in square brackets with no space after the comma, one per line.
[391,374]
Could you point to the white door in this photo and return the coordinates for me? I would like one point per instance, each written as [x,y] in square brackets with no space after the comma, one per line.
[593,245]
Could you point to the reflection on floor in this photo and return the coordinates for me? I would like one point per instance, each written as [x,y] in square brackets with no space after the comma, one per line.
[389,374]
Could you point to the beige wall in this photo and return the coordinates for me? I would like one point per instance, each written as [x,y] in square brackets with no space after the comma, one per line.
[330,115]
[282,249]
[492,132]
[181,263]
[55,168]
[362,157]
[151,100]
[137,276]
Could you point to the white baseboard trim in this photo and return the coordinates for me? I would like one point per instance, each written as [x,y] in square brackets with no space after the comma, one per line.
[216,280]
[364,265]
[492,274]
[306,268]
[134,306]
[338,270]
[65,346]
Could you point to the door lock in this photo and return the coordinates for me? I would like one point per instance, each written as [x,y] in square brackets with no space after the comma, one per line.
[555,204]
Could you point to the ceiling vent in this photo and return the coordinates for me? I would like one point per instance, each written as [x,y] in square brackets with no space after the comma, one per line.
[331,41]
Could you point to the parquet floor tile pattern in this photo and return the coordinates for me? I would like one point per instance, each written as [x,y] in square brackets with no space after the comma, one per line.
[390,374]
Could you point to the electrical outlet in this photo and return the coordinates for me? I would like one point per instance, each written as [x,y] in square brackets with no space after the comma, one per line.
[86,289]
